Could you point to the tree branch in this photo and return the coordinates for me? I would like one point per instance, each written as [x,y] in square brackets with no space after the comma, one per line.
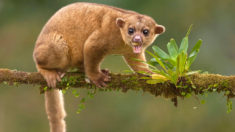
[196,83]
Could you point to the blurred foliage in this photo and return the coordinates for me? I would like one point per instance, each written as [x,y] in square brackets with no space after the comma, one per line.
[22,20]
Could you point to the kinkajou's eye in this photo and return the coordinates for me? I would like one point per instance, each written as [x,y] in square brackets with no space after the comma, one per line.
[131,31]
[146,32]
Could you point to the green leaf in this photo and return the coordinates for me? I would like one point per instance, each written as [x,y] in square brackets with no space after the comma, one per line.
[153,62]
[45,88]
[75,93]
[183,93]
[169,62]
[83,100]
[193,72]
[148,63]
[145,78]
[156,71]
[158,60]
[196,46]
[181,61]
[80,108]
[154,81]
[64,91]
[189,30]
[166,74]
[173,76]
[188,95]
[162,54]
[142,72]
[178,64]
[193,53]
[184,45]
[172,49]
[227,92]
[91,94]
[229,106]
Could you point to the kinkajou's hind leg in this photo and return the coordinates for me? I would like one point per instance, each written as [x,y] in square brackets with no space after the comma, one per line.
[51,61]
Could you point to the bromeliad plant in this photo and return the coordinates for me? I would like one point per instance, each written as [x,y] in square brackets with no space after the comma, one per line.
[174,65]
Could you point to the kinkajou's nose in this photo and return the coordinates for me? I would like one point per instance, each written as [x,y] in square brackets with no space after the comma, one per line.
[137,39]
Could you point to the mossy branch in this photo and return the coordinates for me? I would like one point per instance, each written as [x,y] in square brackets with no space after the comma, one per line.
[196,83]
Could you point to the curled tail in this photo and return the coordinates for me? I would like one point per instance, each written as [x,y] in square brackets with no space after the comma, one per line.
[55,110]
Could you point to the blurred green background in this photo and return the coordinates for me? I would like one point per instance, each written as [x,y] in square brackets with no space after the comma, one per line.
[22,108]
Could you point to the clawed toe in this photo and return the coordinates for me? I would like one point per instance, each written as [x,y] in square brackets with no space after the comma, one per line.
[99,84]
[51,78]
[105,71]
[107,79]
[101,79]
[61,74]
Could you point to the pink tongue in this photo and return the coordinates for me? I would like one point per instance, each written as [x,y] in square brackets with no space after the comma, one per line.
[137,49]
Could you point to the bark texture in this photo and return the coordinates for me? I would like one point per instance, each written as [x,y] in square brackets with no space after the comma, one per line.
[196,83]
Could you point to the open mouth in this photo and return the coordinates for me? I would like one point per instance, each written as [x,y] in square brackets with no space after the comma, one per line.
[137,48]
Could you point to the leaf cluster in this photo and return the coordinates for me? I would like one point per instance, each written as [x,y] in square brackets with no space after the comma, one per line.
[177,62]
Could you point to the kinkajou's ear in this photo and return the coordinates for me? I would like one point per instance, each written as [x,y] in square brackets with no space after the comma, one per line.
[159,29]
[120,22]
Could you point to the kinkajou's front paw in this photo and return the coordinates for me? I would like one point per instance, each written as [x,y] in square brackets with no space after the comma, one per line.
[101,79]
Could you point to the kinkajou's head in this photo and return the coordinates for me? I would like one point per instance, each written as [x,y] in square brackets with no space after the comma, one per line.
[139,31]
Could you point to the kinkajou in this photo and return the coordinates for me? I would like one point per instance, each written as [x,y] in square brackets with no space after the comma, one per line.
[81,35]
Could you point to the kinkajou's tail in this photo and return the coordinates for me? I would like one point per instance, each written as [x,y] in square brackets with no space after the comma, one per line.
[55,110]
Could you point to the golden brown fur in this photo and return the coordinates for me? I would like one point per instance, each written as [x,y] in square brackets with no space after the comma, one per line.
[82,34]
[54,104]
